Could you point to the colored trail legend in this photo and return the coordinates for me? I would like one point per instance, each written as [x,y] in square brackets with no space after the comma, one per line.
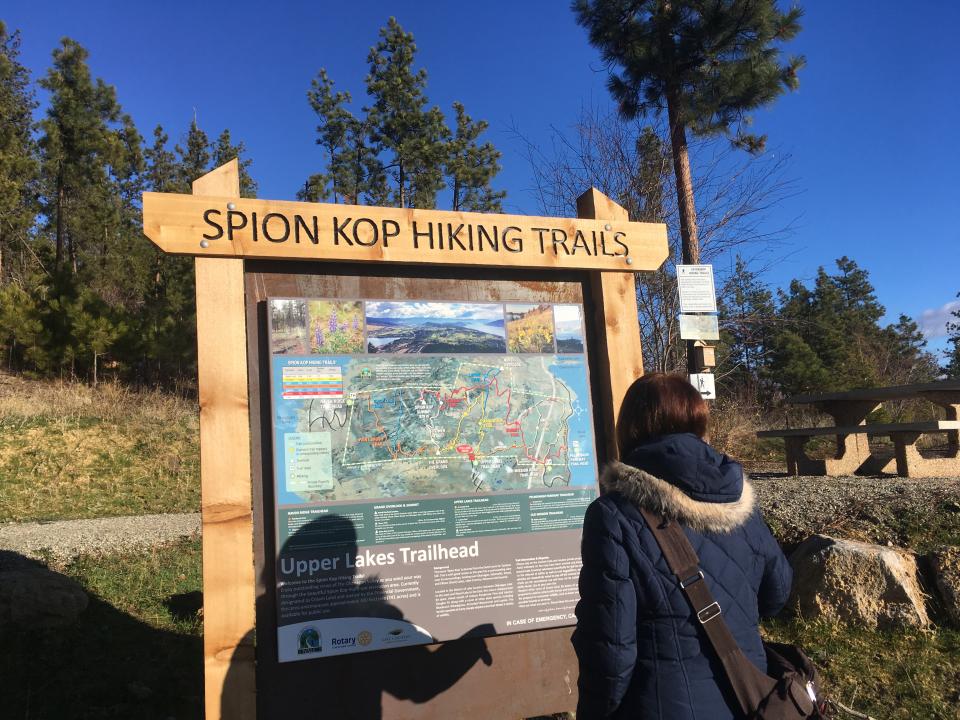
[304,383]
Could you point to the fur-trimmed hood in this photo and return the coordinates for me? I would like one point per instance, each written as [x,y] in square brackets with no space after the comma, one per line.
[650,492]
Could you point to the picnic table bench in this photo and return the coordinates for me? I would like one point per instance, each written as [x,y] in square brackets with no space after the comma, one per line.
[849,411]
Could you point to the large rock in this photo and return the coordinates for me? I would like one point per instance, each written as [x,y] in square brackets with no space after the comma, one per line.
[855,582]
[945,566]
[34,597]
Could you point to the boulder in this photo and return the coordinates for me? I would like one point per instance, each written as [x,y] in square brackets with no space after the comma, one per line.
[856,582]
[35,597]
[945,568]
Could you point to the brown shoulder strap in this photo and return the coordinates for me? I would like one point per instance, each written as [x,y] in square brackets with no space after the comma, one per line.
[685,565]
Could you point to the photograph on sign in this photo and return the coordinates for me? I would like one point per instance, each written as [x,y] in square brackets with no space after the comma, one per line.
[705,385]
[569,327]
[699,327]
[697,292]
[407,466]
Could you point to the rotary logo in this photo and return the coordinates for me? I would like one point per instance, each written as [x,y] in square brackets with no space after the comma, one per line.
[364,638]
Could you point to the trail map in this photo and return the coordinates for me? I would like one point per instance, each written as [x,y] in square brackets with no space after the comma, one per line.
[432,425]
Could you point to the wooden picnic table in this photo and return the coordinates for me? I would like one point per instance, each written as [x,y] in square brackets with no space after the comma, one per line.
[849,411]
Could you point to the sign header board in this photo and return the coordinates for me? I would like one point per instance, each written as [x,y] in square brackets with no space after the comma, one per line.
[697,292]
[271,229]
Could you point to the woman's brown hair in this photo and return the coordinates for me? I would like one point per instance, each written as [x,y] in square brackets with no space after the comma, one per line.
[660,404]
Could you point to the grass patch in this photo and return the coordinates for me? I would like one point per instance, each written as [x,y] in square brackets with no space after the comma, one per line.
[71,451]
[136,652]
[890,675]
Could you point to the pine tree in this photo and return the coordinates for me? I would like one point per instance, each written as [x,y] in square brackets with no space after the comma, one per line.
[413,136]
[93,173]
[224,151]
[343,140]
[857,293]
[165,330]
[906,358]
[818,320]
[76,144]
[797,367]
[749,319]
[648,201]
[952,366]
[94,328]
[21,327]
[471,166]
[18,161]
[707,65]
[838,323]
[194,157]
[161,173]
[399,150]
[117,262]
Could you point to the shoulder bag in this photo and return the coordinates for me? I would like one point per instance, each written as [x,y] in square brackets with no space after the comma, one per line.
[791,690]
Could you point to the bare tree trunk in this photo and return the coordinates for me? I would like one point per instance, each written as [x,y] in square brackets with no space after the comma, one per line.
[401,178]
[685,202]
[681,168]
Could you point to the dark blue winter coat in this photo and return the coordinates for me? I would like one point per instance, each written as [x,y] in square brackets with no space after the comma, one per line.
[642,653]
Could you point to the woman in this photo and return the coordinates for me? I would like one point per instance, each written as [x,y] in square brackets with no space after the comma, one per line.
[641,652]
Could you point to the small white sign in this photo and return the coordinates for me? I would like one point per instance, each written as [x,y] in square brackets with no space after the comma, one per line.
[697,292]
[705,385]
[699,327]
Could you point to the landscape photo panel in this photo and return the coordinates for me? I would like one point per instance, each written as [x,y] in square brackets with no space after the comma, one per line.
[434,327]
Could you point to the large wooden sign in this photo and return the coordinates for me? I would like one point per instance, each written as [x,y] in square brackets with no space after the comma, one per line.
[485,264]
[227,227]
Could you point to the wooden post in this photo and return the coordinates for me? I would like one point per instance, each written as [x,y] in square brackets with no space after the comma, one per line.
[226,503]
[618,329]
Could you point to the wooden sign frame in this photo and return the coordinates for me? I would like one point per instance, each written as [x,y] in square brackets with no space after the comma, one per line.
[229,586]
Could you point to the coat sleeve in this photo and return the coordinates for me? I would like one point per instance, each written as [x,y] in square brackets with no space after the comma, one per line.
[777,575]
[606,636]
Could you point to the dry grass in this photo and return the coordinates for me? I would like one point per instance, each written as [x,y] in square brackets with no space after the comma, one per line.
[68,451]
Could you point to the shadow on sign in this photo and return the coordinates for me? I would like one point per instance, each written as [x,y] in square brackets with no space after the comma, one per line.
[352,685]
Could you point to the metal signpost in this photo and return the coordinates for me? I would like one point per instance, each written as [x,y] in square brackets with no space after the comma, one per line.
[699,322]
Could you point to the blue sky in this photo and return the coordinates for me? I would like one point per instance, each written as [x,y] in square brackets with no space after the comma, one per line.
[871,131]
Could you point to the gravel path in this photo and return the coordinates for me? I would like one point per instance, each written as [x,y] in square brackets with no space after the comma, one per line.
[871,509]
[63,539]
[883,510]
